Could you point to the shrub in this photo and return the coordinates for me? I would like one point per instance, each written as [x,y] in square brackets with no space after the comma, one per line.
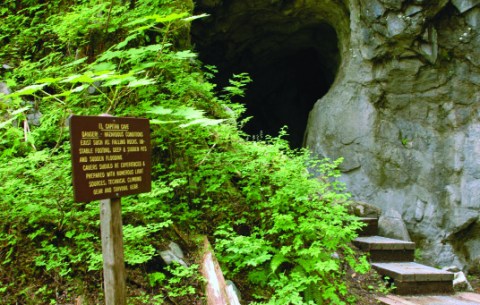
[277,215]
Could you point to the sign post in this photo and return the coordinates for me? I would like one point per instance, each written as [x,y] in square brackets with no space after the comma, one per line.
[112,252]
[111,159]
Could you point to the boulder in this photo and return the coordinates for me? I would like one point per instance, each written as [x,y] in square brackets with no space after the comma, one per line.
[460,282]
[391,225]
[363,209]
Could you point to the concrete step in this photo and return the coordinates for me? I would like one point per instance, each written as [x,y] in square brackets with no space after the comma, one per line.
[371,227]
[382,249]
[465,298]
[411,278]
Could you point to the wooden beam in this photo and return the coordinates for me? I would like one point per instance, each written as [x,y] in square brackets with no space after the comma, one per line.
[112,250]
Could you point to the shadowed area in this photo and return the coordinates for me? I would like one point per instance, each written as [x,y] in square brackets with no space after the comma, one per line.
[293,63]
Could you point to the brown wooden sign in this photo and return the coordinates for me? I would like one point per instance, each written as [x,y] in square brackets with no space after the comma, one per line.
[111,157]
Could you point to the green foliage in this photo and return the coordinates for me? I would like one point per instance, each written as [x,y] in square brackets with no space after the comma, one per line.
[59,239]
[286,233]
[43,228]
[180,274]
[275,223]
[177,285]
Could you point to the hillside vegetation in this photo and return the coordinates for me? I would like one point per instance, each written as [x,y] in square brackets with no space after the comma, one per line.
[276,217]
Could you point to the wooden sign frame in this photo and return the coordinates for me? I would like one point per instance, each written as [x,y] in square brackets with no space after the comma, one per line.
[111,157]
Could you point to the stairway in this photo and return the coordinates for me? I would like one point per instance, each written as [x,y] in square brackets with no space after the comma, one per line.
[394,259]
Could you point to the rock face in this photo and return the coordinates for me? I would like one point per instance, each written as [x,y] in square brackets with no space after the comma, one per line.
[404,114]
[402,108]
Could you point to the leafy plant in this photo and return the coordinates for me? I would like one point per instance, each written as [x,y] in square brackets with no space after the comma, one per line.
[277,215]
[291,226]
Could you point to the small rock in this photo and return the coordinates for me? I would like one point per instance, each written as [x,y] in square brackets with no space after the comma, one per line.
[473,18]
[374,10]
[174,254]
[168,257]
[93,88]
[413,9]
[377,9]
[34,117]
[465,5]
[395,25]
[4,88]
[233,292]
[429,49]
[460,282]
[176,250]
[430,52]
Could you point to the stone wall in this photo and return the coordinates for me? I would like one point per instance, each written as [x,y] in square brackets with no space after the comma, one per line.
[404,113]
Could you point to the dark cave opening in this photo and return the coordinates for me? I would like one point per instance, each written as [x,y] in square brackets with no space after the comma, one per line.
[292,65]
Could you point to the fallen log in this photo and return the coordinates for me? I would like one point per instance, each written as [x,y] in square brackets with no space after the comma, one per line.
[216,289]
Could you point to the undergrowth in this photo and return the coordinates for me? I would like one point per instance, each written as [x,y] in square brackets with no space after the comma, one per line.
[276,216]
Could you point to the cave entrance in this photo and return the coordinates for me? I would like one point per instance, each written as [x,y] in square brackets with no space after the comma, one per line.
[292,63]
